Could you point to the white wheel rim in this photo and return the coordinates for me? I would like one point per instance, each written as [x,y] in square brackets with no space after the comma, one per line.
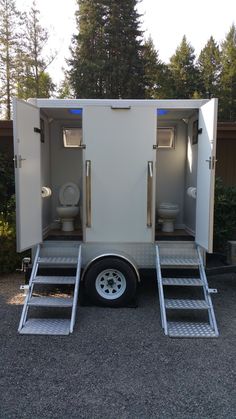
[110,284]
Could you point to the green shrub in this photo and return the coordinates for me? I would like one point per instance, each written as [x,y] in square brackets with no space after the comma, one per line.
[10,260]
[225,216]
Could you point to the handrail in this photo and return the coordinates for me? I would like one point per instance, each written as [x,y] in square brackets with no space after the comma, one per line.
[149,193]
[212,318]
[161,292]
[88,192]
[76,291]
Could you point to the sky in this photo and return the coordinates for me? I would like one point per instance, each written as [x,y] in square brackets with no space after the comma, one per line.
[166,22]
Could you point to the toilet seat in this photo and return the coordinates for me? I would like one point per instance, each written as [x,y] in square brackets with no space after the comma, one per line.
[69,194]
[168,205]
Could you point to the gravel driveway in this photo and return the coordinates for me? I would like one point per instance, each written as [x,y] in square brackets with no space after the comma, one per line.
[118,364]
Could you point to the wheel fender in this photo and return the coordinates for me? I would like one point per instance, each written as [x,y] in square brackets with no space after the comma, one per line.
[119,255]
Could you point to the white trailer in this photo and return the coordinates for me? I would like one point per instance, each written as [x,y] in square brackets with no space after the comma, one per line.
[126,158]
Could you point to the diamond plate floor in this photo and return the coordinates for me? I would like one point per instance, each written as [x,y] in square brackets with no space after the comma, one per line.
[46,327]
[190,329]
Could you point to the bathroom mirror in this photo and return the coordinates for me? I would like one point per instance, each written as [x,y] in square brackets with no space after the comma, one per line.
[165,137]
[72,137]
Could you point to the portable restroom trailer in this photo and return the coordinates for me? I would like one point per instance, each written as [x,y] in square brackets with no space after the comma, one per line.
[115,186]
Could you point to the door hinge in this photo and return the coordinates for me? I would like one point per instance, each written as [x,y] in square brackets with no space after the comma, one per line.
[37,130]
[15,161]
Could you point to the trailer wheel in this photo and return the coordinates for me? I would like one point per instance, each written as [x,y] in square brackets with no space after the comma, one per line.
[111,282]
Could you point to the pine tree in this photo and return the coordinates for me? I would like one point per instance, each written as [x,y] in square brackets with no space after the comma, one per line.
[88,50]
[9,21]
[124,68]
[107,52]
[183,71]
[227,103]
[33,80]
[158,82]
[209,65]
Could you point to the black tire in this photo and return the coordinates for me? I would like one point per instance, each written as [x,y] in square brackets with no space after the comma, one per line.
[110,269]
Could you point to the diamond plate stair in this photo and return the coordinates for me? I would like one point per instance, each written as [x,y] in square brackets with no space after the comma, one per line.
[187,256]
[186,304]
[57,255]
[57,260]
[46,327]
[190,329]
[50,302]
[185,282]
[55,280]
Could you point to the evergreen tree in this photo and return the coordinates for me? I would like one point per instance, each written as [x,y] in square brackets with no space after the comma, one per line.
[124,67]
[88,50]
[9,21]
[158,82]
[33,80]
[184,73]
[107,53]
[227,103]
[209,65]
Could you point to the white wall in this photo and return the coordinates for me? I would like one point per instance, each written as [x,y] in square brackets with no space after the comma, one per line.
[171,170]
[66,163]
[191,178]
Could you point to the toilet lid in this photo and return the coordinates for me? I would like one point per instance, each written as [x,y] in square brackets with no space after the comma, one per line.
[168,205]
[69,194]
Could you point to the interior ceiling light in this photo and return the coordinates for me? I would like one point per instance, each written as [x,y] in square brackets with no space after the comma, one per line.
[162,112]
[75,111]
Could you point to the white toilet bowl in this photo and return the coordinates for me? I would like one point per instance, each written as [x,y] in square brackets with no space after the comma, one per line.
[168,212]
[69,195]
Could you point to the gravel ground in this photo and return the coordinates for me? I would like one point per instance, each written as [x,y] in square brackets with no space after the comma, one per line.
[118,364]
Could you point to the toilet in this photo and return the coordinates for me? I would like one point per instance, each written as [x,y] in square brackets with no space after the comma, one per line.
[168,212]
[69,195]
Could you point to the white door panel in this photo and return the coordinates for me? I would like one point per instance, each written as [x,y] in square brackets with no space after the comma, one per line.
[206,175]
[119,144]
[27,175]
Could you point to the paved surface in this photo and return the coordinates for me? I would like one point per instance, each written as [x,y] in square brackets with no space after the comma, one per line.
[118,364]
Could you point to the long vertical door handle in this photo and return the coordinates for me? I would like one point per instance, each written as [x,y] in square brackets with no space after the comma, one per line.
[149,193]
[88,192]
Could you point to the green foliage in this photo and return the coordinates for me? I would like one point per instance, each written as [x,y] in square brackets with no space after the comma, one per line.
[209,65]
[7,187]
[183,71]
[10,260]
[9,42]
[107,53]
[225,215]
[157,74]
[227,108]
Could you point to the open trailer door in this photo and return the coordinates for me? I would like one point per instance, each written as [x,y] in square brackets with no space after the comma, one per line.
[206,174]
[26,125]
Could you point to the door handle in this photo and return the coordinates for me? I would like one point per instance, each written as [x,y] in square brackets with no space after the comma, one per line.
[212,162]
[149,193]
[88,192]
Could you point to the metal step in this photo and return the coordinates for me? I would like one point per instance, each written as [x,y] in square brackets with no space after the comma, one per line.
[175,260]
[57,260]
[186,304]
[46,327]
[190,329]
[50,302]
[55,280]
[187,282]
